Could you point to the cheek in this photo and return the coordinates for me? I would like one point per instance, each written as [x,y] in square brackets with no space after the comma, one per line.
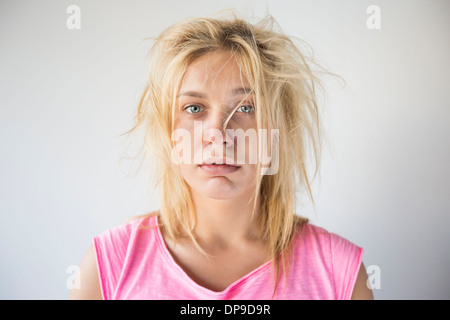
[246,147]
[182,146]
[188,174]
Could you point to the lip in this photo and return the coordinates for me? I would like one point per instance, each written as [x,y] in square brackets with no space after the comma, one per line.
[219,161]
[218,169]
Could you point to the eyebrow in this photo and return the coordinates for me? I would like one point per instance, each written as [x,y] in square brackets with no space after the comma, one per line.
[201,95]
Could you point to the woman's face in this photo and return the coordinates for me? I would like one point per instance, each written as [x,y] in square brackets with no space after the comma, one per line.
[212,88]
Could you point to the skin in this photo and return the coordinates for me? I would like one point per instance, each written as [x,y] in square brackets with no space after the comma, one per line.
[212,87]
[227,233]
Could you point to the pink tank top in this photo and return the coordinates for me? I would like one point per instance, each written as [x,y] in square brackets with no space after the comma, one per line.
[134,263]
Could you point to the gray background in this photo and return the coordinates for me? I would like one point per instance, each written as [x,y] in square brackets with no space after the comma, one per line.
[67,95]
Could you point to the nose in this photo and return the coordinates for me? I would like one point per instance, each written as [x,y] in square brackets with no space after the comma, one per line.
[214,130]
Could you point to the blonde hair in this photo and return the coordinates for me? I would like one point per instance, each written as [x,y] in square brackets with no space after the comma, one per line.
[285,95]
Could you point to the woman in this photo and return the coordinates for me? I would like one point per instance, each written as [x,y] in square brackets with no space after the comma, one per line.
[229,111]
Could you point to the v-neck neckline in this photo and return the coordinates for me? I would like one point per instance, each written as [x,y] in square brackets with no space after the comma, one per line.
[182,272]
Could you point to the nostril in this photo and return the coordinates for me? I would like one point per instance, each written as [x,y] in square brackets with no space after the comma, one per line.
[218,137]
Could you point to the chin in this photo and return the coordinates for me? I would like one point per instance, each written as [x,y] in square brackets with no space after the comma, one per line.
[217,195]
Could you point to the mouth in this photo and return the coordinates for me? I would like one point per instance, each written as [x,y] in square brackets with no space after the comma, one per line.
[218,168]
[219,162]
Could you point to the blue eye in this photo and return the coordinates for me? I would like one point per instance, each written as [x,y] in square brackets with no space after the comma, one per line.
[247,108]
[193,108]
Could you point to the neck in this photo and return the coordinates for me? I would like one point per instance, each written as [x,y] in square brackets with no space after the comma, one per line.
[225,221]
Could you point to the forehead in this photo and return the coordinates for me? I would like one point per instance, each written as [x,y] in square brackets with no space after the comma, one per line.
[214,71]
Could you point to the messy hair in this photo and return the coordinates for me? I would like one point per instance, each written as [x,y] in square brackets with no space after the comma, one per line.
[285,89]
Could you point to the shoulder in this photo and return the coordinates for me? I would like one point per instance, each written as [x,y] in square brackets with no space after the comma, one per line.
[102,264]
[320,238]
[87,277]
[126,228]
[119,237]
[116,246]
[334,255]
[121,233]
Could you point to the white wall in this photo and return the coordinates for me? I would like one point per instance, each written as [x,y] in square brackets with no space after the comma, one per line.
[66,96]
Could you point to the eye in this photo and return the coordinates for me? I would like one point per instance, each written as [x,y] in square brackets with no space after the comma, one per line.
[246,108]
[193,108]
